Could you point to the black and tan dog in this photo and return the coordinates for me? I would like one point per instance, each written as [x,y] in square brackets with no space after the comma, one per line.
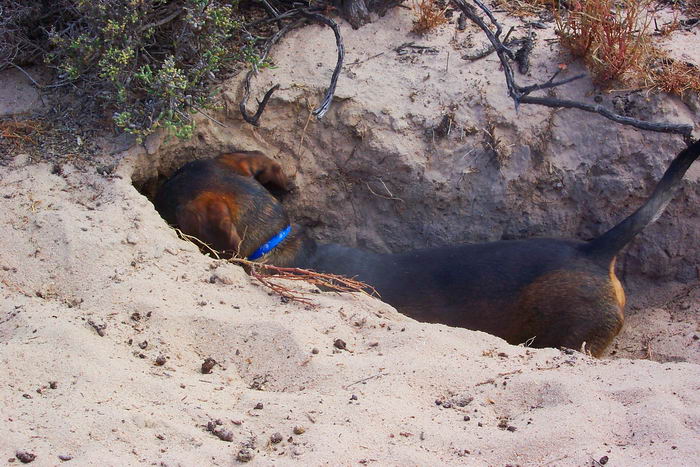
[551,292]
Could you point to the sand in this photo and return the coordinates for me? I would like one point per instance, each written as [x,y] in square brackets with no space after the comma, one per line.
[107,316]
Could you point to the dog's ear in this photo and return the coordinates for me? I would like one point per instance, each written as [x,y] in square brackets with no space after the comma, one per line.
[256,164]
[210,222]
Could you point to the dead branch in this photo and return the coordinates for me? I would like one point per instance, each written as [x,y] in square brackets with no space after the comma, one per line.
[326,103]
[364,380]
[253,71]
[301,14]
[520,94]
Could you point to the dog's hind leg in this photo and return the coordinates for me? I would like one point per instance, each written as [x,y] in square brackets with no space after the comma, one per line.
[570,308]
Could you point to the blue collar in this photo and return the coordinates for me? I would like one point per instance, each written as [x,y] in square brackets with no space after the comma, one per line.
[266,247]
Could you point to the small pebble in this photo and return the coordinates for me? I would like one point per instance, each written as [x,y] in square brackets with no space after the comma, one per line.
[340,344]
[276,438]
[65,457]
[25,457]
[143,345]
[298,430]
[208,365]
[245,455]
[258,406]
[223,434]
[314,351]
[603,460]
[467,418]
[160,361]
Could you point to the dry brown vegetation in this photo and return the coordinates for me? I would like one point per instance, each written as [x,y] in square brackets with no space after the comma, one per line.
[608,35]
[429,15]
[673,76]
[525,7]
[692,8]
[612,37]
[19,132]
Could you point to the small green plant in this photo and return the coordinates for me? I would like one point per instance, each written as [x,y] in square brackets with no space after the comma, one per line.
[149,62]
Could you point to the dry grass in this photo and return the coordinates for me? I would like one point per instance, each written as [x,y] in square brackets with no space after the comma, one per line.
[20,132]
[523,8]
[672,76]
[429,15]
[610,36]
[692,8]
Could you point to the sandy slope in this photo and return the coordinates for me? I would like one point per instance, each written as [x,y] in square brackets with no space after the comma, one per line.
[80,251]
[82,248]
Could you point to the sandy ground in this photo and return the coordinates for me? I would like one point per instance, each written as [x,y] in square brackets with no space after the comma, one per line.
[107,316]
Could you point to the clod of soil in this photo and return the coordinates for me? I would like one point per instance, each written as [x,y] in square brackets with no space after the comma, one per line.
[25,457]
[223,434]
[244,455]
[340,344]
[208,364]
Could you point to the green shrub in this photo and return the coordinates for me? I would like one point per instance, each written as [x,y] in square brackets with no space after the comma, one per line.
[150,62]
[146,63]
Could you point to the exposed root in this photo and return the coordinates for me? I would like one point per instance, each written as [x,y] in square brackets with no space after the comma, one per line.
[265,273]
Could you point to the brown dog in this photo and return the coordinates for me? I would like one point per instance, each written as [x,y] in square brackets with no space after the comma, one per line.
[219,202]
[549,292]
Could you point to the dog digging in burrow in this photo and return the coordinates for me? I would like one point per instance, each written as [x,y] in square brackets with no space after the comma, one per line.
[544,291]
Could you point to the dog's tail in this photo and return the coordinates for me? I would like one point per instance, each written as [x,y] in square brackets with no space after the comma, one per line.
[606,246]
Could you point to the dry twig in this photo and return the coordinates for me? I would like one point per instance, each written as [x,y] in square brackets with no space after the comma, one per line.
[521,94]
[300,14]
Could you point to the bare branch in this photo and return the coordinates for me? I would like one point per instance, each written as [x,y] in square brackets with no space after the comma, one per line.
[326,103]
[310,14]
[253,71]
[676,128]
[520,94]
